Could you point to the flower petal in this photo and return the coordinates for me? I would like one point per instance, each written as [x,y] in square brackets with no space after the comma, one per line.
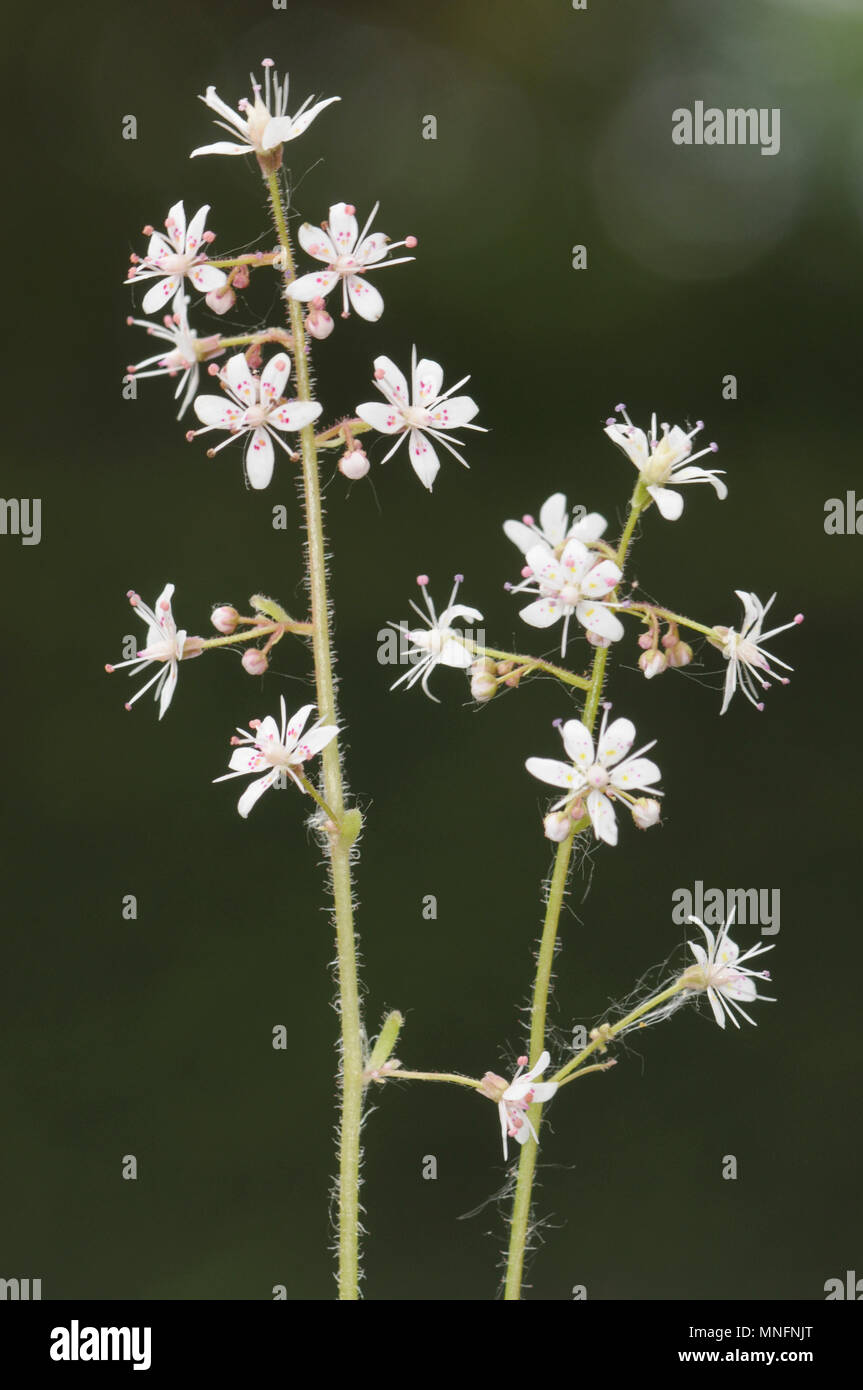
[237,374]
[255,792]
[219,411]
[427,381]
[207,277]
[274,377]
[552,518]
[602,817]
[367,301]
[294,415]
[424,459]
[284,128]
[317,242]
[555,773]
[158,295]
[578,743]
[387,419]
[317,283]
[616,742]
[392,383]
[635,773]
[670,503]
[542,613]
[259,458]
[453,413]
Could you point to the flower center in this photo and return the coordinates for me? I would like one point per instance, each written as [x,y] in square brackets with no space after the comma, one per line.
[597,777]
[177,264]
[416,416]
[256,415]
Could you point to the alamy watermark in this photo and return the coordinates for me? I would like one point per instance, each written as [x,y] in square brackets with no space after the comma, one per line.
[714,906]
[735,126]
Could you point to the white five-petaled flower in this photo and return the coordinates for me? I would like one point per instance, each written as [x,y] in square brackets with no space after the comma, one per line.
[262,124]
[165,648]
[347,253]
[576,582]
[721,972]
[744,653]
[603,777]
[664,461]
[278,750]
[523,1091]
[426,410]
[174,255]
[554,528]
[182,358]
[441,645]
[255,406]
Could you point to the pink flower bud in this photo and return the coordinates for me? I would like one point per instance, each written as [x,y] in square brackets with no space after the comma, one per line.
[354,464]
[225,619]
[482,685]
[645,812]
[680,654]
[240,279]
[254,661]
[221,300]
[645,641]
[319,324]
[557,826]
[653,663]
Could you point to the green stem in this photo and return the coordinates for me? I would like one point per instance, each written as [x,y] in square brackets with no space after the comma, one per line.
[545,959]
[611,1031]
[531,663]
[333,790]
[400,1075]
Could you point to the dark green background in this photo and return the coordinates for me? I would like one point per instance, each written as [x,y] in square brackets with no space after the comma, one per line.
[153,1037]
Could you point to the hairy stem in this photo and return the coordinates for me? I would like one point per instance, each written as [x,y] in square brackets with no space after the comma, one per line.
[522,1200]
[333,793]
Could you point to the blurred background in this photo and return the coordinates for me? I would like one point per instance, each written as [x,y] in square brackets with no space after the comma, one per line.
[153,1037]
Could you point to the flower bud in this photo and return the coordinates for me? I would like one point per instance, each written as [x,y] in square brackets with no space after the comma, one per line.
[221,300]
[645,641]
[240,278]
[483,686]
[318,322]
[680,654]
[557,826]
[255,661]
[645,812]
[354,464]
[225,619]
[653,663]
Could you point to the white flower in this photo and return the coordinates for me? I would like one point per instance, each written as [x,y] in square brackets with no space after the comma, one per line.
[262,123]
[165,648]
[254,406]
[277,749]
[744,653]
[574,583]
[664,461]
[427,410]
[172,257]
[522,1092]
[721,972]
[441,645]
[181,359]
[602,776]
[347,253]
[554,528]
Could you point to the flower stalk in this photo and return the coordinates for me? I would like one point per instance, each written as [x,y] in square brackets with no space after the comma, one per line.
[351,1071]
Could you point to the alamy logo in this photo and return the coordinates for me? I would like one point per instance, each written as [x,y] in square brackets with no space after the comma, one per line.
[20,1290]
[714,906]
[76,1343]
[736,126]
